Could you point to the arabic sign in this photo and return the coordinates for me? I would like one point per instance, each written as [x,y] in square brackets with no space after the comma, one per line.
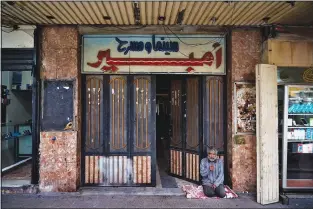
[124,54]
[289,75]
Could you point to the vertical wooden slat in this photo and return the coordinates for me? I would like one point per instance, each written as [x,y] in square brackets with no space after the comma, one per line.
[101,163]
[135,166]
[172,161]
[194,167]
[116,171]
[119,170]
[181,163]
[86,169]
[91,169]
[124,163]
[144,169]
[140,170]
[197,166]
[110,171]
[187,165]
[178,163]
[149,170]
[96,169]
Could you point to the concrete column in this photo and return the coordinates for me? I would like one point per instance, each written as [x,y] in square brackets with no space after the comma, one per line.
[60,160]
[244,53]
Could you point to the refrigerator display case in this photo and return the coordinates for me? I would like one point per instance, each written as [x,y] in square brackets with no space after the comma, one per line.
[297,139]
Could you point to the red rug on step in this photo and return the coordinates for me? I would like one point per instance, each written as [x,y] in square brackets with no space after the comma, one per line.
[196,192]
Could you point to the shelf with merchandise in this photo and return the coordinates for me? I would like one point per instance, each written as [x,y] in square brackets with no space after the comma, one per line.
[300,140]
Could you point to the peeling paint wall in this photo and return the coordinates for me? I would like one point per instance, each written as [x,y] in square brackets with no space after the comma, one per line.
[244,54]
[60,159]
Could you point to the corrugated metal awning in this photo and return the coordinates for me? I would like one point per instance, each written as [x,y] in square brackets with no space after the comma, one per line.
[212,13]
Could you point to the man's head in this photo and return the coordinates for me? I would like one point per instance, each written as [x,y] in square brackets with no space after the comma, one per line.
[212,154]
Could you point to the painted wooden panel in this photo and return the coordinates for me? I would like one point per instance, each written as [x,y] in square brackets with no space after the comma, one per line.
[286,53]
[267,134]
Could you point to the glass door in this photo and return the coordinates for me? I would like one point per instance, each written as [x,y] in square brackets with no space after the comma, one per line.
[298,137]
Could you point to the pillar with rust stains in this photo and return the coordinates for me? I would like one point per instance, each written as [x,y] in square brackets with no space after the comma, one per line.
[59,164]
[244,54]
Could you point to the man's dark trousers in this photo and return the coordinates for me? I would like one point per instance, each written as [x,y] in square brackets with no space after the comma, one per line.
[218,191]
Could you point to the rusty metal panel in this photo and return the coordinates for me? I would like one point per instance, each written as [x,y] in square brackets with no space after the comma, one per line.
[142,169]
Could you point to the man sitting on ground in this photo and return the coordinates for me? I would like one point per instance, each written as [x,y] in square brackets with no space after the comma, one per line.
[212,172]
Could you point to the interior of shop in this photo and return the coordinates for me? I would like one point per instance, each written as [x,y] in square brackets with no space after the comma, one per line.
[295,128]
[16,125]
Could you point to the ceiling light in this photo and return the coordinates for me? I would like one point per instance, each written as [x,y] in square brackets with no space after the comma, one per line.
[106,17]
[213,19]
[161,18]
[50,17]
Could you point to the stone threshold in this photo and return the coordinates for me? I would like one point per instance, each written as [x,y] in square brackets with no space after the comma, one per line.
[16,188]
[131,191]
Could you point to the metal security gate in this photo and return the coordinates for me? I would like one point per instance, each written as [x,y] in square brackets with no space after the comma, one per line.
[119,131]
[186,128]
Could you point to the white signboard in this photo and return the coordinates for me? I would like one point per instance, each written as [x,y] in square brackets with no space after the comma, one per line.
[126,54]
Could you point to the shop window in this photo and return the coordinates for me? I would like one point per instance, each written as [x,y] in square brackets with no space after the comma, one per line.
[57,107]
[16,118]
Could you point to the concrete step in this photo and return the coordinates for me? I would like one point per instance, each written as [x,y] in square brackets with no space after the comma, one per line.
[25,189]
[131,191]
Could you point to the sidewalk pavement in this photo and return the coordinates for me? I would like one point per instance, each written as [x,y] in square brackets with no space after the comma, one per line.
[134,201]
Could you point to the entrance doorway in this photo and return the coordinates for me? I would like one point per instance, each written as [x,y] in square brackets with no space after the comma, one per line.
[137,128]
[178,128]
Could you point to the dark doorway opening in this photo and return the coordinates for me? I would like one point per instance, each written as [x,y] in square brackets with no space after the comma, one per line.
[163,131]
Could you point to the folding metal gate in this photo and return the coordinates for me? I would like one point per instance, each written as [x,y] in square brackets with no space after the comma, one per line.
[119,130]
[197,121]
[186,128]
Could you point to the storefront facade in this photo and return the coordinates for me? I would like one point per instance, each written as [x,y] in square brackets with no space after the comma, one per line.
[71,166]
[73,130]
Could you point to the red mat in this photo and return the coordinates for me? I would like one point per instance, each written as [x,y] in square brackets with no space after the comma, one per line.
[196,192]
